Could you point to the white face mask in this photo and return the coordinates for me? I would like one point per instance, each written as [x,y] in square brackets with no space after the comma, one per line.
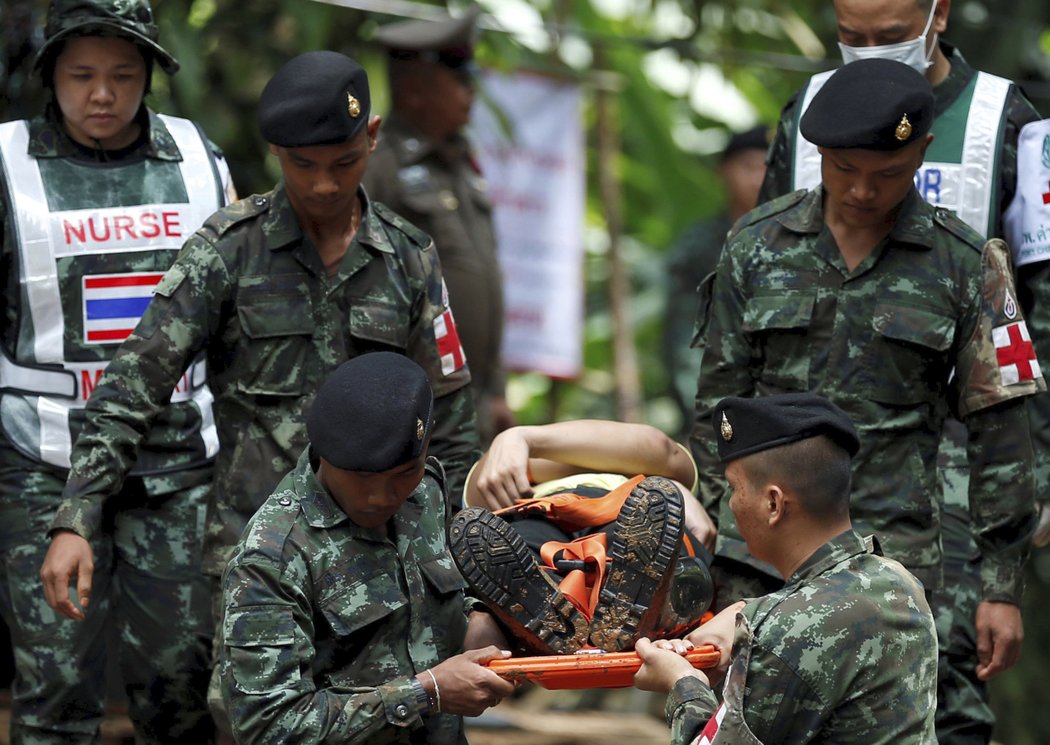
[912,53]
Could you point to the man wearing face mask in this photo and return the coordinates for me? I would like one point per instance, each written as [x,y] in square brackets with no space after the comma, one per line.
[977,120]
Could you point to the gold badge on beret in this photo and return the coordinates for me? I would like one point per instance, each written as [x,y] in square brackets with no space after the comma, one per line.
[353,106]
[903,130]
[420,429]
[726,429]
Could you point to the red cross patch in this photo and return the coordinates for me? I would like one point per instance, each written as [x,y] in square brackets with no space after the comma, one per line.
[448,345]
[1015,354]
[1046,197]
[711,728]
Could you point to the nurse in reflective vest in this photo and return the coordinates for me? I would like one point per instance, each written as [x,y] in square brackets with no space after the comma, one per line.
[98,193]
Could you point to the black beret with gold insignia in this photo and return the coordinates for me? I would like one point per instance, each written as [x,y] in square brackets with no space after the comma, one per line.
[372,414]
[317,98]
[871,104]
[750,425]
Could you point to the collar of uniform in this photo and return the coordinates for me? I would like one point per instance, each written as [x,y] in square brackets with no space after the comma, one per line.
[412,147]
[409,146]
[948,90]
[807,215]
[370,232]
[845,545]
[47,139]
[914,224]
[321,511]
[281,226]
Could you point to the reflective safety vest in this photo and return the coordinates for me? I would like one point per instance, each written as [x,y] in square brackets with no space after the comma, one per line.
[960,165]
[86,275]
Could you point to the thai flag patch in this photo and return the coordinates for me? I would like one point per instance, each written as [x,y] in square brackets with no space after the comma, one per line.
[114,303]
[1015,354]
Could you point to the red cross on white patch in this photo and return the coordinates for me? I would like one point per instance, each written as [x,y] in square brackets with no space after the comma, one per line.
[1015,354]
[448,345]
[711,728]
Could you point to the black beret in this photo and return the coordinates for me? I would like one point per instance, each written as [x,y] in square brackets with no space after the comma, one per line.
[756,138]
[872,104]
[448,41]
[317,98]
[749,425]
[372,414]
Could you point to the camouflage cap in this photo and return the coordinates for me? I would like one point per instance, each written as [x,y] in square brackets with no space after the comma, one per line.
[131,19]
[374,413]
[870,104]
[449,41]
[750,425]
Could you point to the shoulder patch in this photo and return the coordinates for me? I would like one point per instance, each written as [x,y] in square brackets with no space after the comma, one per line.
[243,209]
[391,218]
[951,222]
[767,209]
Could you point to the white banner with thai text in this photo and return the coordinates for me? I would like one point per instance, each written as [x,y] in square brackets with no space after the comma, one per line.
[529,137]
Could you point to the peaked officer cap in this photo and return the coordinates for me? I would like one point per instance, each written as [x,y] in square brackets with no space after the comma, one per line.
[449,42]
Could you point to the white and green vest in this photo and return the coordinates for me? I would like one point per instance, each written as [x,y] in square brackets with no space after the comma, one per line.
[93,241]
[961,162]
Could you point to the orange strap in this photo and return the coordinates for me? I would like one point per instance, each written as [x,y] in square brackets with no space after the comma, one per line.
[571,511]
[581,587]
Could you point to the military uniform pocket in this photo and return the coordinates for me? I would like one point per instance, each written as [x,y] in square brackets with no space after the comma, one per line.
[259,642]
[362,603]
[778,327]
[277,326]
[377,325]
[908,361]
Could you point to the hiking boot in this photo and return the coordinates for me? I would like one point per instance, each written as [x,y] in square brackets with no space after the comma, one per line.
[504,574]
[644,551]
[690,594]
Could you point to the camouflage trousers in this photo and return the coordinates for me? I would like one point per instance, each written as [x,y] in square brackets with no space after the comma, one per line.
[964,716]
[148,597]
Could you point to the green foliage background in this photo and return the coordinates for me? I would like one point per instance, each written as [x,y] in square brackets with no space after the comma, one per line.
[229,49]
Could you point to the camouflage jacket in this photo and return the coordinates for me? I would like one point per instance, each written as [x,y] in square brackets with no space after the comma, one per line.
[250,291]
[325,622]
[437,187]
[692,257]
[880,341]
[1032,286]
[820,659]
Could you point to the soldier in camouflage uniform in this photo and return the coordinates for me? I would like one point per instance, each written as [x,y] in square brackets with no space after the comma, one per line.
[423,168]
[275,291]
[819,660]
[862,291]
[976,126]
[344,615]
[99,193]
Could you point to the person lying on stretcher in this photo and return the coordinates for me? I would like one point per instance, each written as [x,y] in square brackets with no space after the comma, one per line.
[585,534]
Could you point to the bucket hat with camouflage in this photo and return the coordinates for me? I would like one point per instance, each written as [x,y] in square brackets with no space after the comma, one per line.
[131,19]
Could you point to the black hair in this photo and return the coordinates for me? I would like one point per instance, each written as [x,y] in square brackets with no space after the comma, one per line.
[816,470]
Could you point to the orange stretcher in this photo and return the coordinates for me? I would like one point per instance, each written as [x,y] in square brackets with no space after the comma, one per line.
[588,670]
